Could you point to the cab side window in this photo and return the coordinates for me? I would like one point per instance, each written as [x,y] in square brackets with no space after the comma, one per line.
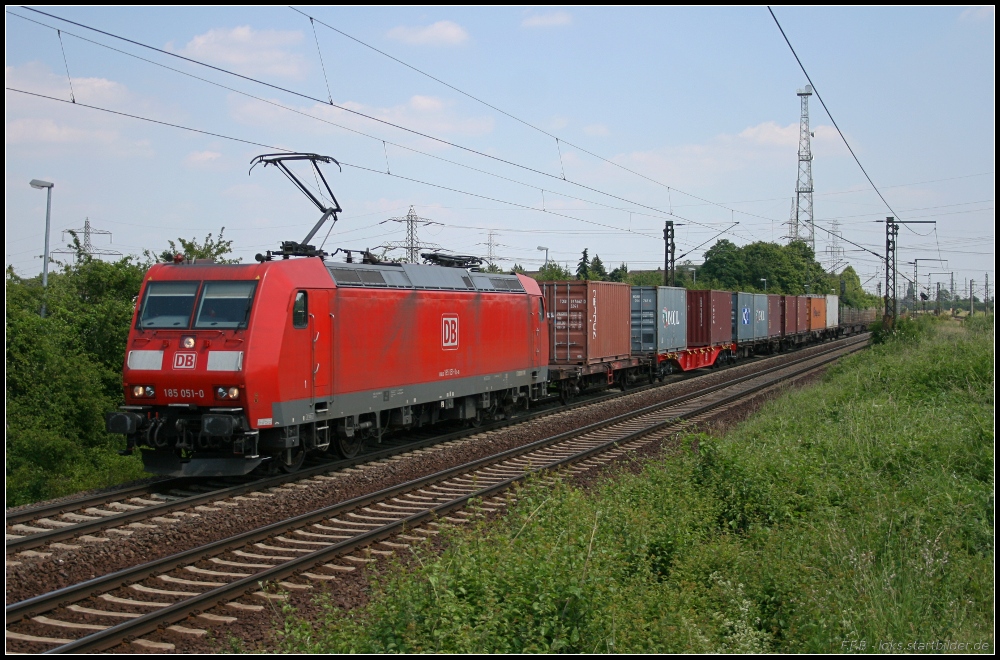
[300,310]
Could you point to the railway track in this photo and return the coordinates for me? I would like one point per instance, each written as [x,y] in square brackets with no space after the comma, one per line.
[322,545]
[82,520]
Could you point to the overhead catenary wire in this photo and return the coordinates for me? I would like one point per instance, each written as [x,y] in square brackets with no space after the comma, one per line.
[514,117]
[355,131]
[345,164]
[362,114]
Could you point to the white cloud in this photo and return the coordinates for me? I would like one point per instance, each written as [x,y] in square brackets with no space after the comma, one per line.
[596,130]
[981,13]
[29,130]
[202,158]
[555,19]
[38,78]
[762,146]
[426,114]
[442,33]
[35,122]
[249,51]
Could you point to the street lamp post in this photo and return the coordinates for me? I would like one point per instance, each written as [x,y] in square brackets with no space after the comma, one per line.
[764,280]
[694,274]
[546,250]
[39,184]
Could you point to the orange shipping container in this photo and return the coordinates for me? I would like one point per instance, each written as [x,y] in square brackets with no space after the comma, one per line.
[817,313]
[588,321]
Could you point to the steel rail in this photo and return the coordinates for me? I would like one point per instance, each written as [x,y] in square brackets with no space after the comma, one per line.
[181,610]
[45,602]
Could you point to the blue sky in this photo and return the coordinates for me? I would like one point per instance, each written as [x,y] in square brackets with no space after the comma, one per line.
[700,102]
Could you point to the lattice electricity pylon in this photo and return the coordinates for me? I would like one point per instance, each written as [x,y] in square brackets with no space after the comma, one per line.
[491,249]
[87,245]
[891,232]
[412,244]
[801,221]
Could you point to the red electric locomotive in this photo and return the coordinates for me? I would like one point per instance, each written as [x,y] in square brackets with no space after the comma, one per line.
[228,366]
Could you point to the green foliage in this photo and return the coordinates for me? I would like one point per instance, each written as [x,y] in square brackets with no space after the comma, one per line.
[64,372]
[851,293]
[583,267]
[518,269]
[210,248]
[789,269]
[492,268]
[619,274]
[597,271]
[646,278]
[907,329]
[843,514]
[553,272]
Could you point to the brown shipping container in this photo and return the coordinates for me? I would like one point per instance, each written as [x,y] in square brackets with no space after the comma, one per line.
[773,315]
[789,308]
[817,313]
[588,321]
[802,314]
[710,318]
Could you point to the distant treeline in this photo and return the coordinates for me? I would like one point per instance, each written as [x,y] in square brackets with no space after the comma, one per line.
[757,267]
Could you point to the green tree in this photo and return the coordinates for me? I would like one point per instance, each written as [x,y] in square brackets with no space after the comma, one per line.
[646,278]
[210,248]
[553,272]
[619,274]
[518,268]
[597,271]
[851,293]
[583,267]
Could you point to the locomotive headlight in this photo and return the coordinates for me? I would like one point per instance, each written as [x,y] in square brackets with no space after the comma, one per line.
[143,392]
[138,390]
[227,393]
[187,342]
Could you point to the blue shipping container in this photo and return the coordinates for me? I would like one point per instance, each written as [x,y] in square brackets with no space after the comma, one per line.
[742,317]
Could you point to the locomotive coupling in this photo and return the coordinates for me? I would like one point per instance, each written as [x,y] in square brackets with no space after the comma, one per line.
[125,423]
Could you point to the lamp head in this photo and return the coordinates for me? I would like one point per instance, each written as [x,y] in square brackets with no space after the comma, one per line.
[38,183]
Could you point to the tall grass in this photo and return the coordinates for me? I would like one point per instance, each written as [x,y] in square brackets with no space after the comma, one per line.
[854,513]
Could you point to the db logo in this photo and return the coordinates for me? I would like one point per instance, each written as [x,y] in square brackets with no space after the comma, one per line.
[185,360]
[449,332]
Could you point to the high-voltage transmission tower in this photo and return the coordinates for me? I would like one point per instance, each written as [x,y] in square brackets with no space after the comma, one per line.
[412,245]
[802,228]
[491,249]
[87,244]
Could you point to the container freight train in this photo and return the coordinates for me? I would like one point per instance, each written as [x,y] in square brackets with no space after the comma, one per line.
[230,367]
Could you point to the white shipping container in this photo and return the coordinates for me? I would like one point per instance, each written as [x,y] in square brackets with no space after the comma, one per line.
[832,311]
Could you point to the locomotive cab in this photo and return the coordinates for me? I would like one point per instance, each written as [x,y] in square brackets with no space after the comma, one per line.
[184,379]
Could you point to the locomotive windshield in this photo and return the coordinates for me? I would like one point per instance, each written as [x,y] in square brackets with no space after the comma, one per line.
[225,305]
[168,304]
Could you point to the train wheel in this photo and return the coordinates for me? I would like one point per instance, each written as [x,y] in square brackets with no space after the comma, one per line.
[349,447]
[291,460]
[477,421]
